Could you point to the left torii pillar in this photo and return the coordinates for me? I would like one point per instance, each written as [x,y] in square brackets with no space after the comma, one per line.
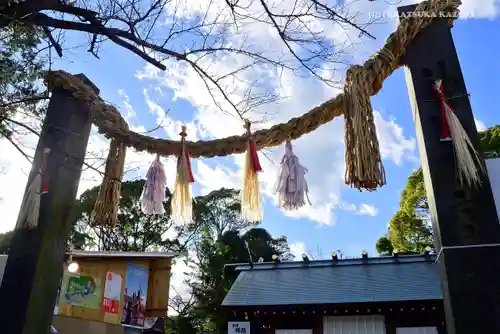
[36,256]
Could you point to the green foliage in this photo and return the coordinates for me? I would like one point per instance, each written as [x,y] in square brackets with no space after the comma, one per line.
[221,239]
[5,239]
[384,246]
[21,68]
[217,237]
[181,324]
[410,228]
[409,233]
[490,142]
[213,280]
[135,231]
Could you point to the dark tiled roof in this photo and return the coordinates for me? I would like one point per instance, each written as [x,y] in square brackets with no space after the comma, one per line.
[348,281]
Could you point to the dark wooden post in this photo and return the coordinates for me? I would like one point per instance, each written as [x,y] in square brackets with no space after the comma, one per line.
[465,220]
[34,266]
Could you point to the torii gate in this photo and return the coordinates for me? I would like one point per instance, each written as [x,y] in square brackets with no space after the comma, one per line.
[466,224]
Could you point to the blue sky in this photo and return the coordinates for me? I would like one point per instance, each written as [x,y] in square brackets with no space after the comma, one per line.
[136,279]
[340,218]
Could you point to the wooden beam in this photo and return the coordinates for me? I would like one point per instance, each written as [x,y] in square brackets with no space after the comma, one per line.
[35,260]
[465,221]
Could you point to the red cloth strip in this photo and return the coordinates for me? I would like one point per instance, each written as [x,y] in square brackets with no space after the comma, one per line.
[254,157]
[445,129]
[190,172]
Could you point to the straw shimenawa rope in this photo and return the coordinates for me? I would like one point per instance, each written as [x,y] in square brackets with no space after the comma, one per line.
[105,211]
[364,168]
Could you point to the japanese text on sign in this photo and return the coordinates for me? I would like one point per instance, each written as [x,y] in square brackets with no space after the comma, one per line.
[238,327]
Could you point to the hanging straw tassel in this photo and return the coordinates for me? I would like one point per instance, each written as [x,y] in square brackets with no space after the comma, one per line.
[153,194]
[291,186]
[466,155]
[105,211]
[364,168]
[30,207]
[182,204]
[251,205]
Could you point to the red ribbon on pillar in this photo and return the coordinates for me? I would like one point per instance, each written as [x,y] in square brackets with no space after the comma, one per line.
[445,134]
[468,159]
[30,207]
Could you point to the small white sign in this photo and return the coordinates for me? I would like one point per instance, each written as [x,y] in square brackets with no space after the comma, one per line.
[238,327]
[493,167]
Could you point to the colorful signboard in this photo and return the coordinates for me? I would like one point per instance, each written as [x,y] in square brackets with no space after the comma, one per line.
[82,290]
[135,295]
[112,291]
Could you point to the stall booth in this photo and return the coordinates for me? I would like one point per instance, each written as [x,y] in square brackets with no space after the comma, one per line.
[113,293]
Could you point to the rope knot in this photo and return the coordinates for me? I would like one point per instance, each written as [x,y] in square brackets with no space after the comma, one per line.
[247,126]
[183,134]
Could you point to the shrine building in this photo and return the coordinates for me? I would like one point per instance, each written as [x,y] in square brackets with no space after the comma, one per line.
[398,294]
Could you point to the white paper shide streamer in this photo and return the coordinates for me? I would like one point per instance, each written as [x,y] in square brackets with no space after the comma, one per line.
[30,207]
[153,194]
[291,186]
[468,160]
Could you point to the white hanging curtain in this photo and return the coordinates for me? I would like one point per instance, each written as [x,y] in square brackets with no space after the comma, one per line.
[370,324]
[293,331]
[417,330]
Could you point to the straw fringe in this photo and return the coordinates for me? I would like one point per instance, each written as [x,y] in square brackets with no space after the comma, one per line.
[105,211]
[251,204]
[364,169]
[467,157]
[30,207]
[182,204]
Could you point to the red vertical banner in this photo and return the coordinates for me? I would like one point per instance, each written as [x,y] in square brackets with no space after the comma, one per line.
[112,292]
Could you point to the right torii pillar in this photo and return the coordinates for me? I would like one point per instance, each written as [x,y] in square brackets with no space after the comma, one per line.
[465,221]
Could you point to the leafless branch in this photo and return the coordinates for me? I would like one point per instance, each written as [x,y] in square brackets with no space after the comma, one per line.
[159,31]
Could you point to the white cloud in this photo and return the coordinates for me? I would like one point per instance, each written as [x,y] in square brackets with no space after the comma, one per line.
[393,144]
[368,210]
[321,152]
[296,249]
[479,9]
[15,168]
[13,177]
[179,290]
[480,125]
[213,178]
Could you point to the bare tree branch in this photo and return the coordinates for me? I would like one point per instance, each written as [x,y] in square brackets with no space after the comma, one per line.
[157,31]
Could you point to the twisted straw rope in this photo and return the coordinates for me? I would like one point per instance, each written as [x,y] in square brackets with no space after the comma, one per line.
[374,71]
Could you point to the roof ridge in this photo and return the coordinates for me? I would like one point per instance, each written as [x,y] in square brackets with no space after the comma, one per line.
[382,260]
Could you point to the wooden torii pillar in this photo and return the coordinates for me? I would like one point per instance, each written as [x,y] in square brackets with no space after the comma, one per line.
[465,221]
[36,256]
